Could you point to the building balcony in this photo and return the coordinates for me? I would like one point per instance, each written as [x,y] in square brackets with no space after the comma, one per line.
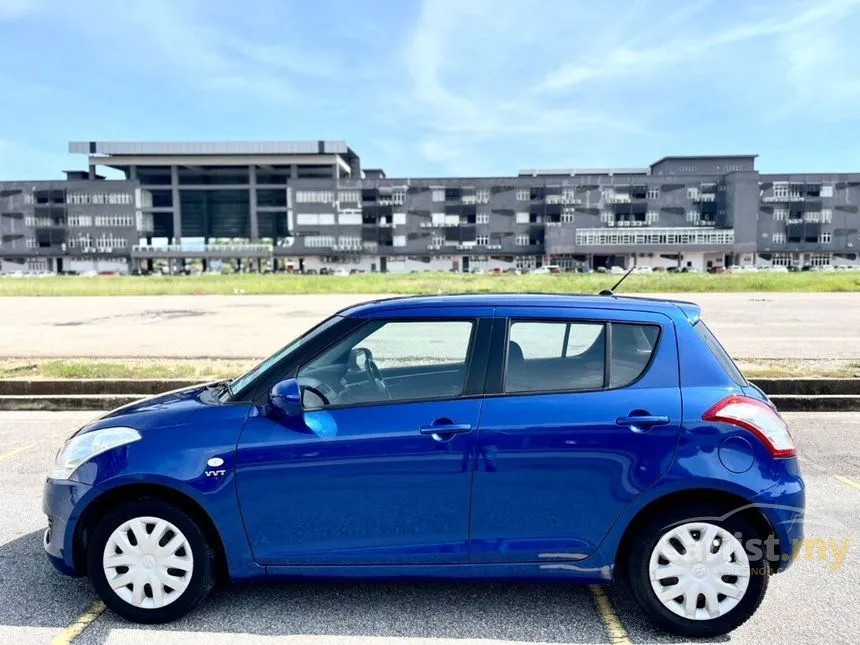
[705,197]
[202,251]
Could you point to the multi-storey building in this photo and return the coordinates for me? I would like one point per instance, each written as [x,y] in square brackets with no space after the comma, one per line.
[73,225]
[310,205]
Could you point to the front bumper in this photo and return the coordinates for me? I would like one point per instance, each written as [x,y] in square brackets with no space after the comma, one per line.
[783,505]
[61,503]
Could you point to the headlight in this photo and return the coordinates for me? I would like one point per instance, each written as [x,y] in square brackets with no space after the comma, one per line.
[80,449]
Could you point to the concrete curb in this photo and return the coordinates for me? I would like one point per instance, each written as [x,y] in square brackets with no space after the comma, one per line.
[64,387]
[66,403]
[789,395]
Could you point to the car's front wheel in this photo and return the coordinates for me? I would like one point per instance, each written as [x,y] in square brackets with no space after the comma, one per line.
[693,573]
[150,562]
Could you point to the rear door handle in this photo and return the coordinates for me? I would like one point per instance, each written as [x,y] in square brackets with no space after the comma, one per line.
[446,429]
[641,423]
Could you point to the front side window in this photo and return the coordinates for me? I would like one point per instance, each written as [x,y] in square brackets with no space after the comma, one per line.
[546,356]
[390,361]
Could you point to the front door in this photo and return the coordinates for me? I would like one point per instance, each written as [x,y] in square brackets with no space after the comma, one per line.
[378,471]
[586,415]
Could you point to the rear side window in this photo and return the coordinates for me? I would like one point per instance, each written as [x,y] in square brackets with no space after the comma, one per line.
[719,353]
[572,356]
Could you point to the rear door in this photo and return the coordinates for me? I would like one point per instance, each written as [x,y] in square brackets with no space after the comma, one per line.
[582,413]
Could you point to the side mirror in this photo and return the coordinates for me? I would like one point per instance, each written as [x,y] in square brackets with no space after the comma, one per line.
[285,399]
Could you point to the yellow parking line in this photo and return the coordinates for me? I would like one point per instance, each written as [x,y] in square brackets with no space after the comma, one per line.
[848,482]
[74,630]
[12,453]
[611,622]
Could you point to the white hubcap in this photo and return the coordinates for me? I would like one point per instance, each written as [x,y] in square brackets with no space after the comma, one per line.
[699,571]
[148,562]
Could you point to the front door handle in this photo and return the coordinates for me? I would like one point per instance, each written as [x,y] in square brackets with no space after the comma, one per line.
[642,422]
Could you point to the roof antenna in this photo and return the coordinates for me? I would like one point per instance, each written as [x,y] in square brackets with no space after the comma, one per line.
[611,292]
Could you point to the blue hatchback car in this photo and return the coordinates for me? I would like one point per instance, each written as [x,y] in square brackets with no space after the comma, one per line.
[558,438]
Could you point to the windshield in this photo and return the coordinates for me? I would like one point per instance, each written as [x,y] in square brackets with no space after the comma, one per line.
[240,383]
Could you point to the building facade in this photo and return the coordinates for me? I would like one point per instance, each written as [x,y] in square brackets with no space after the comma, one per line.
[310,205]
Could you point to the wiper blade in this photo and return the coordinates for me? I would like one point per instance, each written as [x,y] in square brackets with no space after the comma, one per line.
[221,387]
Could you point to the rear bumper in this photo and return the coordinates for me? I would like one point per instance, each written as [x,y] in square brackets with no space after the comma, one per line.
[783,505]
[61,502]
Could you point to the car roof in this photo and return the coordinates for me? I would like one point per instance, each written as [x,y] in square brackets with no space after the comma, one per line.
[690,310]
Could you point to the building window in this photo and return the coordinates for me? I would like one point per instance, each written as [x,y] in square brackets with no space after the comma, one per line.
[567,217]
[348,196]
[692,192]
[482,195]
[778,238]
[118,221]
[28,198]
[349,242]
[812,217]
[482,240]
[651,217]
[522,239]
[31,243]
[438,195]
[482,218]
[606,217]
[314,196]
[522,218]
[819,259]
[780,190]
[80,220]
[825,238]
[779,214]
[693,215]
[438,240]
[687,168]
[398,240]
[653,193]
[733,167]
[350,216]
[827,191]
[654,236]
[826,215]
[526,262]
[319,241]
[523,194]
[113,199]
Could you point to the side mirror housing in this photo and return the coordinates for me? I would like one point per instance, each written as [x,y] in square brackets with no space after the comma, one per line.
[285,400]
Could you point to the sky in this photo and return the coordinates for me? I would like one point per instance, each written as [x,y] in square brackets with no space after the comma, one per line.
[438,87]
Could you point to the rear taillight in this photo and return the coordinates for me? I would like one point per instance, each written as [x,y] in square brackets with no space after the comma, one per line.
[757,417]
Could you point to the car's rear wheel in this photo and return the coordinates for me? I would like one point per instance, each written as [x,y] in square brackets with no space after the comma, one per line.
[150,562]
[698,572]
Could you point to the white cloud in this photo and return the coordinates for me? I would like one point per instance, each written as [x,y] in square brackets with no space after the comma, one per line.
[455,54]
[621,61]
[18,8]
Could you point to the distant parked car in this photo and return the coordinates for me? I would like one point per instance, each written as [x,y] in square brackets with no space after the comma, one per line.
[717,270]
[595,438]
[734,268]
[689,270]
[617,269]
[644,270]
[340,273]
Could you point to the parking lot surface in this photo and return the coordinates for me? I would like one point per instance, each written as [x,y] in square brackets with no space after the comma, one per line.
[815,601]
[750,325]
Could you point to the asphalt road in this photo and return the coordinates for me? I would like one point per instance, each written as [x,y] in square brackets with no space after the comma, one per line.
[750,325]
[815,601]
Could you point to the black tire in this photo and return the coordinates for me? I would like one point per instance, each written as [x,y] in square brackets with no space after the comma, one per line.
[202,574]
[640,584]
